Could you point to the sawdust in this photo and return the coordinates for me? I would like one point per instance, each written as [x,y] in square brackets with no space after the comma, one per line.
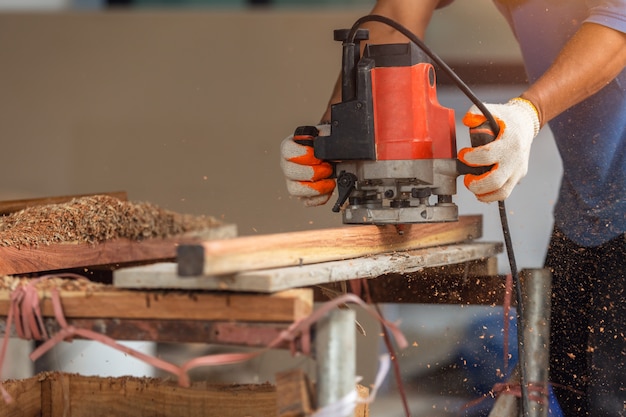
[95,219]
[10,283]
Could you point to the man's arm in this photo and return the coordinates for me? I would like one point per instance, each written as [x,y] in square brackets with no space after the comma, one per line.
[413,14]
[591,59]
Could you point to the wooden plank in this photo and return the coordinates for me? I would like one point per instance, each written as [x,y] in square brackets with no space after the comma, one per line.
[164,275]
[11,206]
[286,306]
[115,252]
[302,248]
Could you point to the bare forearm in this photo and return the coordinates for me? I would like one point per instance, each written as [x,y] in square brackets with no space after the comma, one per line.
[591,59]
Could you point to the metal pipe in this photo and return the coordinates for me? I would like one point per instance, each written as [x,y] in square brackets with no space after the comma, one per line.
[335,349]
[536,291]
[536,287]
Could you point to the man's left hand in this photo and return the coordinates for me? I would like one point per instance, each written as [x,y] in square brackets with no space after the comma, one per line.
[508,154]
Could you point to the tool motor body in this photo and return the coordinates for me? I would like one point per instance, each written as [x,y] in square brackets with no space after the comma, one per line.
[392,144]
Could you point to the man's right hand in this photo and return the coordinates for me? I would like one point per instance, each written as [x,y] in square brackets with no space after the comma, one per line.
[307,176]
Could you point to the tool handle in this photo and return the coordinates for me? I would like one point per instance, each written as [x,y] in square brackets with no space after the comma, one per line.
[304,135]
[482,134]
[479,135]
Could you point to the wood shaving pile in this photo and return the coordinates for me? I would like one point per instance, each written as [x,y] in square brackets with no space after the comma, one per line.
[10,283]
[95,219]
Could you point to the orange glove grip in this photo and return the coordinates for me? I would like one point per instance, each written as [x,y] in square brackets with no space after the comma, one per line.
[320,168]
[307,177]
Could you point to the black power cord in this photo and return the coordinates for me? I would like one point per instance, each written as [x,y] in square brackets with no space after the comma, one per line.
[501,206]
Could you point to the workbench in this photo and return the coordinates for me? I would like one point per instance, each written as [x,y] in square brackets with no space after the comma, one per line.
[250,300]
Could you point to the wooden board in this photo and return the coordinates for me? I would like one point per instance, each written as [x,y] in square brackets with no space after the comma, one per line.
[164,275]
[286,306]
[14,261]
[302,248]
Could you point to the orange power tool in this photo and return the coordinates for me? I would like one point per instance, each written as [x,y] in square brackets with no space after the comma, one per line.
[393,146]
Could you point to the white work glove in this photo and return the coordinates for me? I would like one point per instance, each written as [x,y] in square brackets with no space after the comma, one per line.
[508,153]
[307,176]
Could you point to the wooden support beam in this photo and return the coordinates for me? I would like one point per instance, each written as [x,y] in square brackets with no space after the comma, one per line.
[164,275]
[106,302]
[302,248]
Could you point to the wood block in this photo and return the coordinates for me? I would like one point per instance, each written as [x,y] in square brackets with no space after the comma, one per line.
[165,275]
[303,248]
[295,395]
